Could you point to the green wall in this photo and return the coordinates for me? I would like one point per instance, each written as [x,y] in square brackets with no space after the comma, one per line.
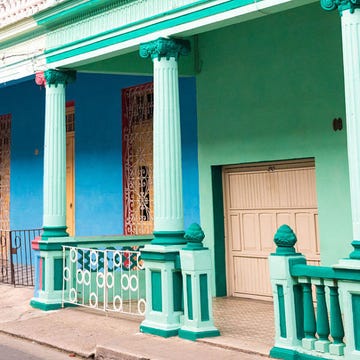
[269,90]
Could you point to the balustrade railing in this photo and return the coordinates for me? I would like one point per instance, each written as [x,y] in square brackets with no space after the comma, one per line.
[316,308]
[107,280]
[16,257]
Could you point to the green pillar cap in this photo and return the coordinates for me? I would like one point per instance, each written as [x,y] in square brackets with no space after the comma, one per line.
[285,240]
[356,253]
[194,236]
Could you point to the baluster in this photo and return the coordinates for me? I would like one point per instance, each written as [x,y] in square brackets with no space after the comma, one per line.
[336,323]
[309,318]
[322,321]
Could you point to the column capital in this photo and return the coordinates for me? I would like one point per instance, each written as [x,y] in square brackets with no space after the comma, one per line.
[341,5]
[56,77]
[165,47]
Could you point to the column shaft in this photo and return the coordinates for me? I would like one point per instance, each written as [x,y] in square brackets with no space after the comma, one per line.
[55,158]
[168,210]
[350,23]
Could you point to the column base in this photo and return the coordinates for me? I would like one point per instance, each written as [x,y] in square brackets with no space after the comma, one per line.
[54,231]
[308,343]
[164,332]
[193,335]
[322,346]
[45,305]
[169,238]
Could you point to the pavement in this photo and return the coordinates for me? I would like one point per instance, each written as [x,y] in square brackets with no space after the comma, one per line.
[246,327]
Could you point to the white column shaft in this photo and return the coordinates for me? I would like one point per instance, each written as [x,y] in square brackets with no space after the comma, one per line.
[351,54]
[168,199]
[55,157]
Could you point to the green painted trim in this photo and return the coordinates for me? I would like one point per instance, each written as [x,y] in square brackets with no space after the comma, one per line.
[299,311]
[47,307]
[149,255]
[44,306]
[219,231]
[156,290]
[58,274]
[178,291]
[168,238]
[193,335]
[204,298]
[43,273]
[355,299]
[54,231]
[287,354]
[183,19]
[282,319]
[189,296]
[159,332]
[323,272]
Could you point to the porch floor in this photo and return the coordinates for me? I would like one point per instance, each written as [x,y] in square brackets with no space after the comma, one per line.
[244,324]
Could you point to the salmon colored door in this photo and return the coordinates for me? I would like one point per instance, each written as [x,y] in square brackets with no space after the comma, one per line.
[70,176]
[259,199]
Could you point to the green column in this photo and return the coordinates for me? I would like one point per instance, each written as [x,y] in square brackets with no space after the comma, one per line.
[168,198]
[350,30]
[322,320]
[54,216]
[309,318]
[336,324]
[161,257]
[48,293]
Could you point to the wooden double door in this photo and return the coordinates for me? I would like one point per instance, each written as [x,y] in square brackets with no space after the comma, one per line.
[258,199]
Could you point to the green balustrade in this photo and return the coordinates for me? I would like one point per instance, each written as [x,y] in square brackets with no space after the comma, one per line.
[309,314]
[336,323]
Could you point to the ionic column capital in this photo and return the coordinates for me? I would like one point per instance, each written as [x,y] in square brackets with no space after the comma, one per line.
[165,48]
[341,5]
[56,77]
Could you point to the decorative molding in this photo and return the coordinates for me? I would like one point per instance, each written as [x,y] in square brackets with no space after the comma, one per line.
[341,5]
[55,77]
[12,11]
[114,15]
[165,47]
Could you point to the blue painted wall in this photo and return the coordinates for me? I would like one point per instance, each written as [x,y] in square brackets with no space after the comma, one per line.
[98,151]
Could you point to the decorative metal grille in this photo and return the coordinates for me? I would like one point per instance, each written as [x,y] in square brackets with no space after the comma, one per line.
[108,280]
[137,138]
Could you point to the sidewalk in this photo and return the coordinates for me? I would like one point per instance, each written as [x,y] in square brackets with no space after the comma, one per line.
[110,336]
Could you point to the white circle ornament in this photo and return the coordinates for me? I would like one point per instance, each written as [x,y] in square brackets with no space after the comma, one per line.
[134,279]
[79,276]
[117,263]
[110,284]
[72,295]
[93,300]
[73,255]
[100,283]
[87,277]
[93,258]
[126,277]
[141,305]
[117,298]
[66,274]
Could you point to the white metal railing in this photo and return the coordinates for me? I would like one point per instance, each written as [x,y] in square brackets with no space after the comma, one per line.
[107,280]
[14,10]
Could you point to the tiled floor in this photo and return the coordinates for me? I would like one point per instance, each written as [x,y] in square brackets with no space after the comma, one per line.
[244,323]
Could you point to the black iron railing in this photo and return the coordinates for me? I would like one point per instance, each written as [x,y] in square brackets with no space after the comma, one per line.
[16,256]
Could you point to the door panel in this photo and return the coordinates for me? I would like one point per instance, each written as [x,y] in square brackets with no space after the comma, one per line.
[257,201]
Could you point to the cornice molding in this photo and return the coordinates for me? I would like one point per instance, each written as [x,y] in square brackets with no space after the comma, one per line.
[165,48]
[341,5]
[56,77]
